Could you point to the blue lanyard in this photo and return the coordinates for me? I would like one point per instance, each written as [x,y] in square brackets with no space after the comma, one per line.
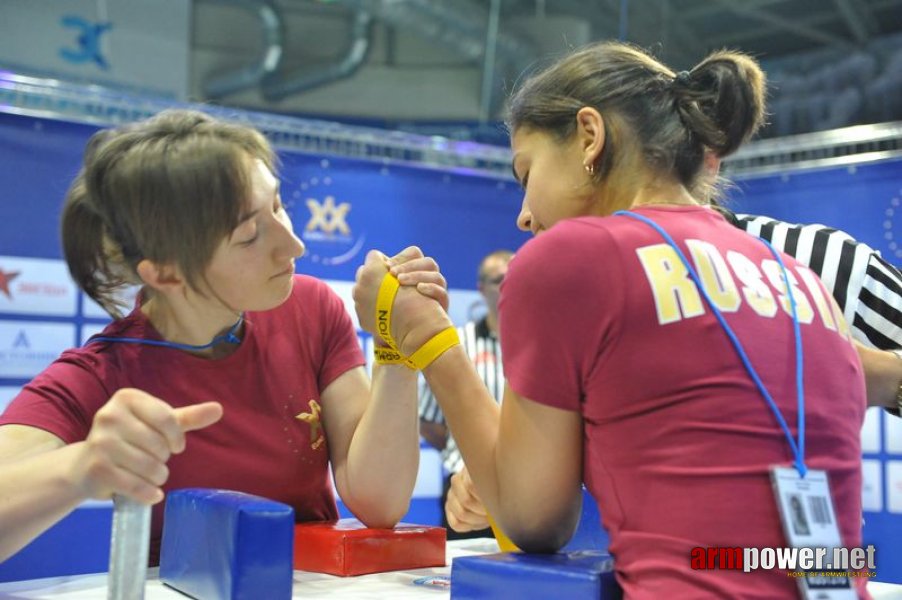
[228,337]
[798,449]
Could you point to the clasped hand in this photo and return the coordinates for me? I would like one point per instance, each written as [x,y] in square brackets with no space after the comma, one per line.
[419,309]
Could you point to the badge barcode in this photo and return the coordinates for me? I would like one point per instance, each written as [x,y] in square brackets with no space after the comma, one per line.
[820,510]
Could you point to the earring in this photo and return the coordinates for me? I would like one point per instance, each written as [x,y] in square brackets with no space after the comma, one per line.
[590,169]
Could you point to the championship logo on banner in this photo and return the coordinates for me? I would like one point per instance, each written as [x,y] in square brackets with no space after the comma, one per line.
[322,214]
[35,286]
[26,348]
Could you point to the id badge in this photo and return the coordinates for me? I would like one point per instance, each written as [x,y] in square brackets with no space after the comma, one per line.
[809,521]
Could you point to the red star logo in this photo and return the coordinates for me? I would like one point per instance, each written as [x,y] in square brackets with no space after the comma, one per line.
[5,278]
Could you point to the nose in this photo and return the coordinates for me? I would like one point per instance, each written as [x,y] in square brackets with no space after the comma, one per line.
[524,219]
[289,246]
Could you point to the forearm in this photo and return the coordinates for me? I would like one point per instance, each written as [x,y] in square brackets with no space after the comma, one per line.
[524,460]
[35,493]
[473,417]
[883,375]
[383,457]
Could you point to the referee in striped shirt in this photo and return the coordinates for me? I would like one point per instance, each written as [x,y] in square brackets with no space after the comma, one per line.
[867,288]
[480,338]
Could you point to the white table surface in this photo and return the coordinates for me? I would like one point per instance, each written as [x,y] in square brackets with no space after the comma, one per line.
[380,586]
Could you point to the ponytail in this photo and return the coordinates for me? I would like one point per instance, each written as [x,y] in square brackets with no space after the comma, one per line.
[94,263]
[721,100]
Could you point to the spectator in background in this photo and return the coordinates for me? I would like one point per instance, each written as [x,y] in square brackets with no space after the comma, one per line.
[480,340]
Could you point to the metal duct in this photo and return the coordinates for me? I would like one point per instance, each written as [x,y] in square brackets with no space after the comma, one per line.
[266,66]
[279,88]
[461,25]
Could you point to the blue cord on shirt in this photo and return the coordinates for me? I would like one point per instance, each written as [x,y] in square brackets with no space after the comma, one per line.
[798,450]
[228,337]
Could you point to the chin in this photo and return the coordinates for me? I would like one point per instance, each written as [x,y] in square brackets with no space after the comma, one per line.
[279,290]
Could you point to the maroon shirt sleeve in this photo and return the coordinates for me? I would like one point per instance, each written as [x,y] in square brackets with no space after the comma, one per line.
[553,315]
[341,348]
[62,399]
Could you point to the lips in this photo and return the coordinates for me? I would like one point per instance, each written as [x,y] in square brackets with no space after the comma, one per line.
[287,271]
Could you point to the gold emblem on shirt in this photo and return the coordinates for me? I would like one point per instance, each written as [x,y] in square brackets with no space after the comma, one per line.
[316,429]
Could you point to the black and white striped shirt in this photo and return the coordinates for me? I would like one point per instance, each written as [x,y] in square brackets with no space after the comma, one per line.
[484,351]
[867,288]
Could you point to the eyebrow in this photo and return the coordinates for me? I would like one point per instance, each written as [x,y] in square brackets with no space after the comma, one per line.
[250,215]
[246,217]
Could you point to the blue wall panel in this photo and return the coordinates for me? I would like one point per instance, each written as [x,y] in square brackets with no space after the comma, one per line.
[864,201]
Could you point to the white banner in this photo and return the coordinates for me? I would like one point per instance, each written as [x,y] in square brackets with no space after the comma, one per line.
[36,286]
[26,348]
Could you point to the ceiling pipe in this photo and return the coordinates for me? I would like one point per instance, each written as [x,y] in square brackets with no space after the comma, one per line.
[487,92]
[268,64]
[279,87]
[461,25]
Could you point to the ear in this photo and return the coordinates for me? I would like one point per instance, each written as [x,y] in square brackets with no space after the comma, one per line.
[590,133]
[159,276]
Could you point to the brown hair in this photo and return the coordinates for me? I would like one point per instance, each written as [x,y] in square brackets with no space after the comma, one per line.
[653,117]
[167,189]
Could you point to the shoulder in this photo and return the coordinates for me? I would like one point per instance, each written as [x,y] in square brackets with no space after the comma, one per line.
[560,259]
[313,294]
[316,303]
[571,236]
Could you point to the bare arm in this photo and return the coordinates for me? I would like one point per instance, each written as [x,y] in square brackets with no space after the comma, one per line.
[42,479]
[36,486]
[372,430]
[525,458]
[373,441]
[883,375]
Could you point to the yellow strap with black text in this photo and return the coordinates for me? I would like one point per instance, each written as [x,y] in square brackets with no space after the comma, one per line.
[392,355]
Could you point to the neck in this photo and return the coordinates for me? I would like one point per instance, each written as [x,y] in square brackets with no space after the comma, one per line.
[668,194]
[186,322]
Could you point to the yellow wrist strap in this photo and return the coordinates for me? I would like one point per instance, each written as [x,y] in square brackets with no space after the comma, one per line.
[389,356]
[392,355]
[388,289]
[435,347]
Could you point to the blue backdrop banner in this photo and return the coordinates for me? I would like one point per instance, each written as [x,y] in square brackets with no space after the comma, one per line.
[864,201]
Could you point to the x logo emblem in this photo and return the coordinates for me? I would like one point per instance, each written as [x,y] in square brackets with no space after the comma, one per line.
[328,217]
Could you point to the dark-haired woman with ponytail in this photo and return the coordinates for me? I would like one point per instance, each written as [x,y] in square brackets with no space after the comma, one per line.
[225,339]
[652,350]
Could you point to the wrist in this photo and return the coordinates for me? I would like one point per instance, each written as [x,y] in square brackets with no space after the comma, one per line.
[898,401]
[422,332]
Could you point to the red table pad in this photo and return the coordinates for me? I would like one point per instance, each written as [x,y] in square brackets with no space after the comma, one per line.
[347,547]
